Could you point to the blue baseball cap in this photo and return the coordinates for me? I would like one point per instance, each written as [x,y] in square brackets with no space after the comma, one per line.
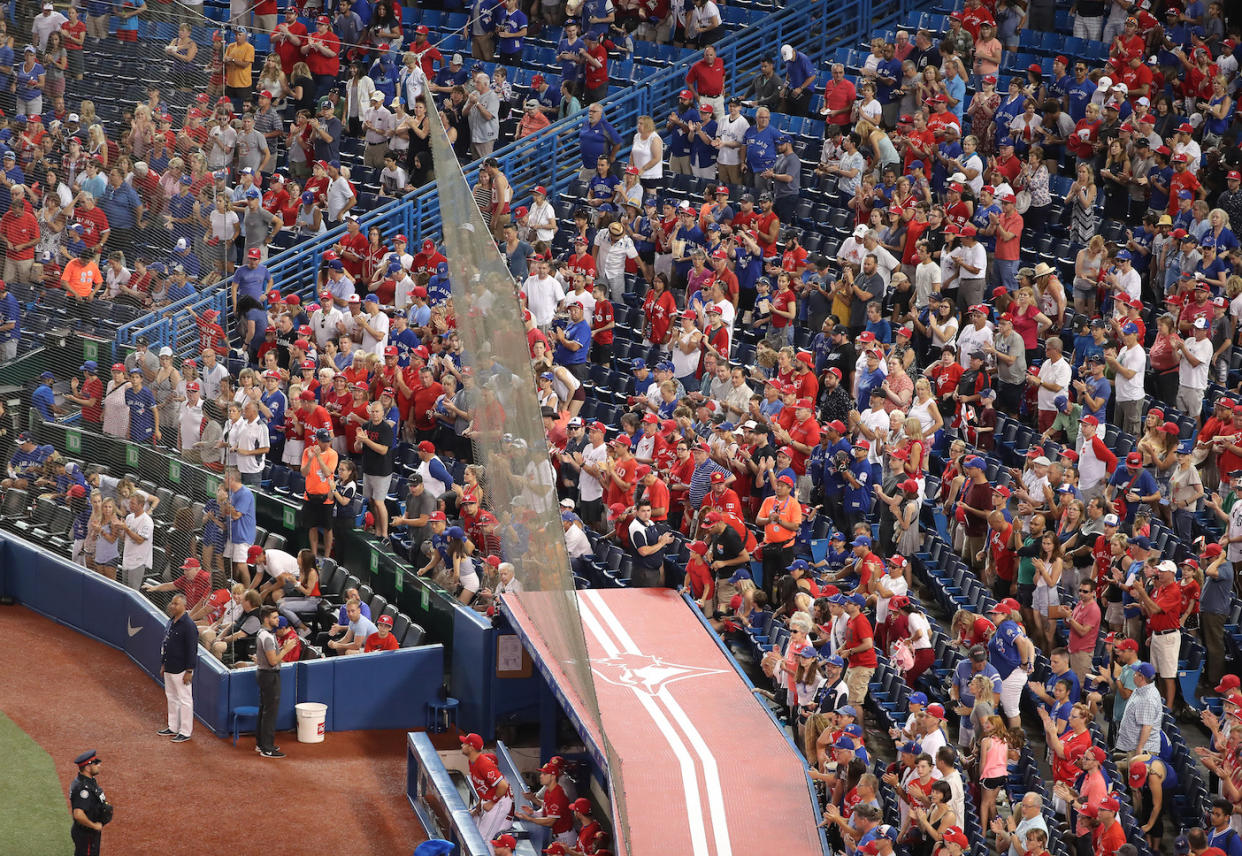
[1146,670]
[853,730]
[836,599]
[441,268]
[1130,329]
[856,599]
[568,517]
[47,376]
[845,743]
[917,698]
[1124,256]
[1142,542]
[885,830]
[253,194]
[1184,194]
[912,748]
[861,541]
[185,179]
[739,575]
[725,426]
[336,264]
[307,197]
[456,533]
[1186,447]
[665,365]
[394,266]
[371,298]
[848,710]
[799,565]
[781,139]
[1061,403]
[89,366]
[282,622]
[834,660]
[974,462]
[638,363]
[838,535]
[1005,141]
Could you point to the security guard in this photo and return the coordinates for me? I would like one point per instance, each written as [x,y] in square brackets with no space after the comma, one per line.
[91,811]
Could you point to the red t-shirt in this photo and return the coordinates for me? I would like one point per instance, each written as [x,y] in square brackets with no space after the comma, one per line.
[659,312]
[1109,840]
[614,492]
[92,388]
[1169,599]
[857,630]
[484,777]
[1063,769]
[1179,181]
[423,400]
[707,80]
[375,642]
[602,316]
[94,223]
[763,223]
[313,421]
[194,588]
[556,804]
[78,29]
[784,300]
[596,77]
[316,61]
[804,432]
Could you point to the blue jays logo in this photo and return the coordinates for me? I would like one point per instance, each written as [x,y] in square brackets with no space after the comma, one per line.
[644,672]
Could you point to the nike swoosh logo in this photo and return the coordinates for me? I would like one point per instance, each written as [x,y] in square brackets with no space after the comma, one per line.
[133,631]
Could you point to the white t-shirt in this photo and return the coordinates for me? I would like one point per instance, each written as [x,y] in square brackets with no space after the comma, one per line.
[731,131]
[1131,283]
[338,196]
[372,344]
[189,425]
[589,488]
[918,621]
[876,421]
[976,257]
[138,555]
[1196,377]
[1135,359]
[279,562]
[543,295]
[1056,373]
[896,583]
[926,278]
[971,339]
[542,214]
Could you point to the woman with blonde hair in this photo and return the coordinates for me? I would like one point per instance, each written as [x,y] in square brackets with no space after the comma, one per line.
[647,154]
[97,145]
[1085,222]
[995,745]
[272,79]
[1087,266]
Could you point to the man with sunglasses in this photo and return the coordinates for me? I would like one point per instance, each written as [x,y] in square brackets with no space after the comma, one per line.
[1084,624]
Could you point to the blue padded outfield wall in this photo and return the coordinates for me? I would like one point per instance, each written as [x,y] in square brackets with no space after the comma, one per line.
[368,691]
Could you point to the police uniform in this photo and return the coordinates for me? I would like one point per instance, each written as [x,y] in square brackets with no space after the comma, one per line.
[86,794]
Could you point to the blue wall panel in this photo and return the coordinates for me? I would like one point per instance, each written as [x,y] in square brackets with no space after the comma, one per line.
[387,690]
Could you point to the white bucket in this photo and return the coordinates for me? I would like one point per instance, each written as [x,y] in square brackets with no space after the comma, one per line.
[311,716]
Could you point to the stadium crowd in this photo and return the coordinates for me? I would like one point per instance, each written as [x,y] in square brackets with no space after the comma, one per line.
[1047,257]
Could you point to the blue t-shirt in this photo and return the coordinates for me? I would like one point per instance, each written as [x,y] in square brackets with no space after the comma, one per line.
[595,140]
[1079,95]
[1144,485]
[570,70]
[1003,648]
[251,281]
[1100,388]
[27,80]
[799,70]
[25,462]
[10,310]
[241,529]
[892,68]
[1075,685]
[141,404]
[44,400]
[956,89]
[121,204]
[277,403]
[439,290]
[510,22]
[6,60]
[130,23]
[760,148]
[580,333]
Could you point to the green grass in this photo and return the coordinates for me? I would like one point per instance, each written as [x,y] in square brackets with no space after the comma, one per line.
[34,814]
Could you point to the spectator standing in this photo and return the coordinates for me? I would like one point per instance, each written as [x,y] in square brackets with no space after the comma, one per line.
[238,69]
[799,80]
[483,112]
[239,510]
[137,555]
[1139,727]
[858,651]
[178,657]
[375,439]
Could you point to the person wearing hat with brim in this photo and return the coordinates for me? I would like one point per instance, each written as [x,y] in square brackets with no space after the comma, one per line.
[88,806]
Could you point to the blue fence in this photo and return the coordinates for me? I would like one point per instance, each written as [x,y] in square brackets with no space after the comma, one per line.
[388,690]
[550,157]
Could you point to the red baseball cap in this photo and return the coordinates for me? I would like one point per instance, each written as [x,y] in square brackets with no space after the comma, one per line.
[255,553]
[427,446]
[437,517]
[254,253]
[580,805]
[466,739]
[505,840]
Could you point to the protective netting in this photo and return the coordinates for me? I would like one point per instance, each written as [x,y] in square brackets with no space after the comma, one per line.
[509,438]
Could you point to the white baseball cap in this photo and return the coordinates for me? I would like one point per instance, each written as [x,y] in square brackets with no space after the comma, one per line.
[787,52]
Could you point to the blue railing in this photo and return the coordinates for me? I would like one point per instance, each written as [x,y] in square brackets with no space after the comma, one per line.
[551,157]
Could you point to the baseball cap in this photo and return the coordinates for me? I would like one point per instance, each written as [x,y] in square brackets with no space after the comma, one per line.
[1147,670]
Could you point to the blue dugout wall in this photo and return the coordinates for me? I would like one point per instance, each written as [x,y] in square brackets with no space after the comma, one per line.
[370,691]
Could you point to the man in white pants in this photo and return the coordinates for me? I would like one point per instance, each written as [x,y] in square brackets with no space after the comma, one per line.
[495,809]
[177,661]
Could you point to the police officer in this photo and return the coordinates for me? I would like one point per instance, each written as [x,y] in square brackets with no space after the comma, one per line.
[91,811]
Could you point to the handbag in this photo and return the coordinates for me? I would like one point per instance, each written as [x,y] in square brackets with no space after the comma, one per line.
[902,656]
[1023,201]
